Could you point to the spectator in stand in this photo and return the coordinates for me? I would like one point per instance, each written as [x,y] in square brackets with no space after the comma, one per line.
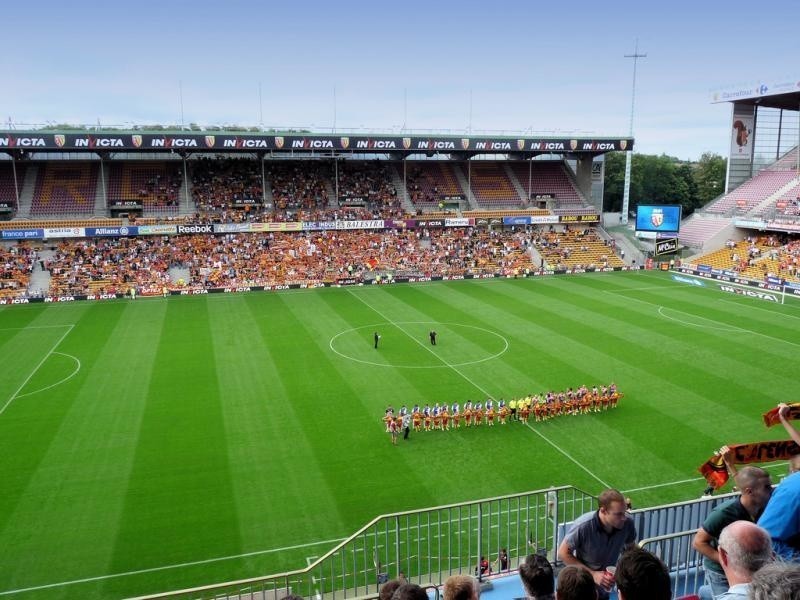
[776,581]
[461,587]
[744,548]
[756,488]
[409,591]
[595,542]
[537,578]
[575,583]
[641,575]
[388,589]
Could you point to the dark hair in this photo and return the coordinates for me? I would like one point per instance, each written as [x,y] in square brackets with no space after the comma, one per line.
[575,583]
[389,588]
[409,591]
[642,576]
[536,574]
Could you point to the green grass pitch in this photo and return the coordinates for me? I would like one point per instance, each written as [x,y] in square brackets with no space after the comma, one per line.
[168,443]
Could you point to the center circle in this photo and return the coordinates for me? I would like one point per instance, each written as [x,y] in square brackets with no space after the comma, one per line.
[402,343]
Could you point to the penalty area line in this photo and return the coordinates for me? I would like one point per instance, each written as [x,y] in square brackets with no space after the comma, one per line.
[36,368]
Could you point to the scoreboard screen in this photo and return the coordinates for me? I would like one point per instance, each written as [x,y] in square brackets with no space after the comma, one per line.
[659,218]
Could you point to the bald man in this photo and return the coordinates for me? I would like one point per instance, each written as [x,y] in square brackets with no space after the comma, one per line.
[744,548]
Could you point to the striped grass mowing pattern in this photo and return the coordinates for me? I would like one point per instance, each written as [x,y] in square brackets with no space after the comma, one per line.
[167,443]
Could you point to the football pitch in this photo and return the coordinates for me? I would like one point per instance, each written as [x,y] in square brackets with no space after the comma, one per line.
[161,443]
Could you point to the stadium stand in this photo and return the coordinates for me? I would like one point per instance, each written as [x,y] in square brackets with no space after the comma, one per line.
[113,265]
[549,177]
[752,192]
[41,223]
[65,189]
[698,229]
[787,204]
[299,185]
[109,266]
[368,184]
[576,249]
[756,258]
[428,181]
[157,185]
[491,187]
[17,262]
[8,194]
[218,184]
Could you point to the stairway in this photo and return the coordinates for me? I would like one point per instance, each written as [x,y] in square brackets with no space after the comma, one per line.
[402,192]
[100,197]
[517,185]
[26,191]
[464,183]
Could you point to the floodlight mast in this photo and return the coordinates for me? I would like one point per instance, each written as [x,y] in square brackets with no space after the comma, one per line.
[623,219]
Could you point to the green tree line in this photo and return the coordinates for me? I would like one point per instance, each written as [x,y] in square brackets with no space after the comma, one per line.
[664,180]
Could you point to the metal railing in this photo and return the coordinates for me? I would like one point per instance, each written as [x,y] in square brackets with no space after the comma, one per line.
[684,562]
[425,546]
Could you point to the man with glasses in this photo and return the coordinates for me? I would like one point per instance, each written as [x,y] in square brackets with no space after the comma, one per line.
[595,543]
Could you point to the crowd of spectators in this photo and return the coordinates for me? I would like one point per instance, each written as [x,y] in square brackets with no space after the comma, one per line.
[368,184]
[161,189]
[579,248]
[111,265]
[221,183]
[277,258]
[296,185]
[17,262]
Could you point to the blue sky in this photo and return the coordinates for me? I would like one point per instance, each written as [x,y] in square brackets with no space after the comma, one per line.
[545,67]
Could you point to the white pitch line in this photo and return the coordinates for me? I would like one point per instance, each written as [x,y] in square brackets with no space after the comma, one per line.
[52,385]
[35,327]
[541,435]
[766,310]
[33,372]
[477,386]
[735,328]
[167,567]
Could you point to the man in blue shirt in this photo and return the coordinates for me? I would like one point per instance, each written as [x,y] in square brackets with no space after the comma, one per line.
[781,518]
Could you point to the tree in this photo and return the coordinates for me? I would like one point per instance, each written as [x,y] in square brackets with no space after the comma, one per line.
[663,180]
[709,176]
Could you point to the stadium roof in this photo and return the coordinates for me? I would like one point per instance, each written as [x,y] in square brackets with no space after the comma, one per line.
[783,94]
[213,141]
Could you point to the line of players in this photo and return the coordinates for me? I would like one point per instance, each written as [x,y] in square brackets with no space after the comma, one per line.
[542,407]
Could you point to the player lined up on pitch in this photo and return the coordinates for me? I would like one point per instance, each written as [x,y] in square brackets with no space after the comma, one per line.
[545,406]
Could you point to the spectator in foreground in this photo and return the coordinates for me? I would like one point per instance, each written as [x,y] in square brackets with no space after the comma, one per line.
[536,574]
[389,588]
[461,587]
[776,581]
[409,591]
[781,518]
[642,576]
[756,489]
[744,548]
[596,543]
[575,583]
